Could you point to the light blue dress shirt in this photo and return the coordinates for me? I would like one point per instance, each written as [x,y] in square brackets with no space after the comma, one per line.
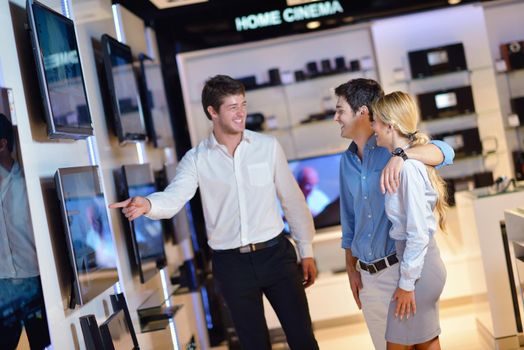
[365,226]
[410,211]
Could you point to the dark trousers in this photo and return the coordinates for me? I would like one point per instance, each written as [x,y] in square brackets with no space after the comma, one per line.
[22,305]
[244,278]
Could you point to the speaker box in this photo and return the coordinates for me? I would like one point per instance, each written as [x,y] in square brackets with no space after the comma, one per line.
[312,68]
[513,54]
[300,75]
[250,82]
[354,65]
[437,60]
[518,162]
[517,107]
[340,64]
[274,77]
[446,103]
[484,179]
[255,121]
[464,142]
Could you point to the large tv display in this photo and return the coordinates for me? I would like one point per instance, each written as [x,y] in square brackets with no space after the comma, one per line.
[146,235]
[318,178]
[89,237]
[59,73]
[154,102]
[123,90]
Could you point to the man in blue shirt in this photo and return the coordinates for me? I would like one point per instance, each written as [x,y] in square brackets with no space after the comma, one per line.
[366,173]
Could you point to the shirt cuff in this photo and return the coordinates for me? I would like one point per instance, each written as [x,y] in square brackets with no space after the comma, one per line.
[346,242]
[151,214]
[305,250]
[407,284]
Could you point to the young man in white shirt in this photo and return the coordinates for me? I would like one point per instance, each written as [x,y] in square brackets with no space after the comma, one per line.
[240,173]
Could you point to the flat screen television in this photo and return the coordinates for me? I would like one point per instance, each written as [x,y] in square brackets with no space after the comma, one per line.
[89,237]
[59,72]
[116,333]
[154,102]
[146,235]
[318,178]
[122,87]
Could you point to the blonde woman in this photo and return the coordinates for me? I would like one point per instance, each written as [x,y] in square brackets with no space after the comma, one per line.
[413,318]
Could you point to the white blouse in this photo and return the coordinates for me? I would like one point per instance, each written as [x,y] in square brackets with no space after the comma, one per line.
[410,211]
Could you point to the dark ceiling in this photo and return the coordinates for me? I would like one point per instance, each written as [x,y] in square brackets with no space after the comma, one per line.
[212,23]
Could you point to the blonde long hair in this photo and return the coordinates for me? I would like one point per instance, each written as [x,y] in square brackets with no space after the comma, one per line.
[399,110]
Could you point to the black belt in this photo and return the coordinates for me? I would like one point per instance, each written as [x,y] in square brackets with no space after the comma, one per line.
[378,265]
[253,247]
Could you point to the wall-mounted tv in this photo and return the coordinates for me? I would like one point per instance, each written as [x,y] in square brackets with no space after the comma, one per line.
[116,333]
[154,102]
[59,73]
[318,178]
[89,237]
[145,235]
[122,88]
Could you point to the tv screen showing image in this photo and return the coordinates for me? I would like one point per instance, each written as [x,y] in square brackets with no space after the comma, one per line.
[89,237]
[59,73]
[146,235]
[116,333]
[154,102]
[123,90]
[318,178]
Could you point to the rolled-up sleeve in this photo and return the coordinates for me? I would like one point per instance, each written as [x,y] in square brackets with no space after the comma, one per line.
[447,152]
[294,205]
[182,188]
[347,210]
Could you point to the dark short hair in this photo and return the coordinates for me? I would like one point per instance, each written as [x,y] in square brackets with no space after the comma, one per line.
[218,87]
[6,131]
[360,92]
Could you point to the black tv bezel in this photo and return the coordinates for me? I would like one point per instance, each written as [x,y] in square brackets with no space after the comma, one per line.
[144,275]
[123,137]
[105,333]
[146,104]
[79,297]
[316,157]
[54,131]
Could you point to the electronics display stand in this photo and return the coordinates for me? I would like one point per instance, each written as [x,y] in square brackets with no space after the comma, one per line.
[155,312]
[469,164]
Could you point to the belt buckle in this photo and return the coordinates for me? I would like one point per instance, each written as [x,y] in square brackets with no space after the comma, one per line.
[245,249]
[372,269]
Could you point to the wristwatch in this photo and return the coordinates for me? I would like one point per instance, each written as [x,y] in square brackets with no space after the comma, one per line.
[399,152]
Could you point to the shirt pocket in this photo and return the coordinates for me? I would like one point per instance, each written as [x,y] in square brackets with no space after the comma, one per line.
[259,174]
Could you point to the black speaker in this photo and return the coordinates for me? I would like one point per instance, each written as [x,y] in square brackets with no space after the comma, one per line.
[300,75]
[250,82]
[464,142]
[354,65]
[517,107]
[518,162]
[484,179]
[513,54]
[340,64]
[274,77]
[255,121]
[118,302]
[91,332]
[437,60]
[312,68]
[446,103]
[326,66]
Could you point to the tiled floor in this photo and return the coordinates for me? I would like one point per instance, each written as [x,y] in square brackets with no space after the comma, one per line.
[459,332]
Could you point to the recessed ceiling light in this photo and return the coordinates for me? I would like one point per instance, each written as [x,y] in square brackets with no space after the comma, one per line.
[313,25]
[454,2]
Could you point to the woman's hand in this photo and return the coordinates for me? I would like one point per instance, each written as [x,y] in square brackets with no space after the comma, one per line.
[405,303]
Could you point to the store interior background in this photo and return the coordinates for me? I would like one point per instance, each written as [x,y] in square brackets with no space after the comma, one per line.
[196,41]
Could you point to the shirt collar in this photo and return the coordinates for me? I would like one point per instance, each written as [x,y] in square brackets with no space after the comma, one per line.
[371,143]
[246,136]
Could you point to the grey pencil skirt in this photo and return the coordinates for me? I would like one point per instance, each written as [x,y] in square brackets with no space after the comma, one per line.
[424,325]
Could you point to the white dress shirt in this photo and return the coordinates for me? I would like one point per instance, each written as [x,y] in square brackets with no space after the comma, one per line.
[239,193]
[17,244]
[410,211]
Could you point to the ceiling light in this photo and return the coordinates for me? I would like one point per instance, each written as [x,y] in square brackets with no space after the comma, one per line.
[454,2]
[313,25]
[162,4]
